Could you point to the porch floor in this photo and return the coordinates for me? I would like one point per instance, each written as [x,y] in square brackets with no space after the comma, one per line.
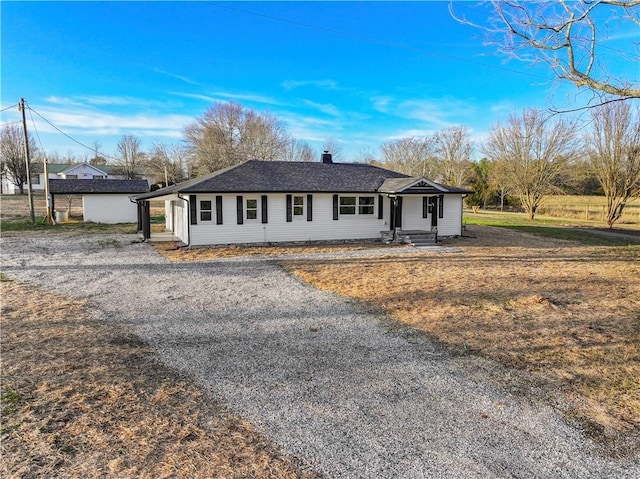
[162,236]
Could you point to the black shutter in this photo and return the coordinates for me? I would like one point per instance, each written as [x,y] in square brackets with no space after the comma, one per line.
[218,210]
[380,207]
[309,207]
[399,211]
[239,201]
[289,209]
[193,209]
[335,207]
[441,206]
[425,206]
[264,208]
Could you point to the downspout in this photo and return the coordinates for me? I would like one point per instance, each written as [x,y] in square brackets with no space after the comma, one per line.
[188,218]
[462,215]
[132,199]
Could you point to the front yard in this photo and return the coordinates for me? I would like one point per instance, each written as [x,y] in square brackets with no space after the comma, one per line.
[564,314]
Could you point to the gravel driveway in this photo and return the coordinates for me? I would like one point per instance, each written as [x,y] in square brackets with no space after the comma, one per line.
[333,383]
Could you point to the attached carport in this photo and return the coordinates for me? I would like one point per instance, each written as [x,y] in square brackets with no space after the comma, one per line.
[103,201]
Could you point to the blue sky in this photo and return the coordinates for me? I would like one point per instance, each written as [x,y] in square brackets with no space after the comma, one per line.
[360,73]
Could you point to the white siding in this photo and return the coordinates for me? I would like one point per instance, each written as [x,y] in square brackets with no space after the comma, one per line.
[83,171]
[322,226]
[113,208]
[180,219]
[451,224]
[412,214]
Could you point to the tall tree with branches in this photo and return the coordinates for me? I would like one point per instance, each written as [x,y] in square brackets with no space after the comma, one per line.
[572,37]
[453,148]
[414,156]
[229,133]
[614,155]
[535,152]
[12,161]
[131,156]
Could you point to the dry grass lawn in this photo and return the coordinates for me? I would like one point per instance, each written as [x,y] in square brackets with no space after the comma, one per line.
[84,399]
[566,315]
[174,253]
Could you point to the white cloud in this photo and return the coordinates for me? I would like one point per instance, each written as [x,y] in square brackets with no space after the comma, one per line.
[323,84]
[179,77]
[327,108]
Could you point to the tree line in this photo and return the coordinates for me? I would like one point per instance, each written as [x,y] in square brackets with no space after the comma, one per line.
[529,156]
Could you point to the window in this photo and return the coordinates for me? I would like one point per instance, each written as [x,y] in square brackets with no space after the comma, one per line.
[347,205]
[99,177]
[35,179]
[298,205]
[361,205]
[71,177]
[252,209]
[205,210]
[365,205]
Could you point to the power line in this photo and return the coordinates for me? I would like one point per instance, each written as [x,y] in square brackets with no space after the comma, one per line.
[8,108]
[378,41]
[69,136]
[35,128]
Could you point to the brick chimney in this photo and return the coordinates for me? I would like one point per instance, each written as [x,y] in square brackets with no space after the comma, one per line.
[326,157]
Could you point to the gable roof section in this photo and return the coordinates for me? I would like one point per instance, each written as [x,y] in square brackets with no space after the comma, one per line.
[81,166]
[79,187]
[418,186]
[286,177]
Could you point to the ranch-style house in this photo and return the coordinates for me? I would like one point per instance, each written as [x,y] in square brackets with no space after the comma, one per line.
[282,201]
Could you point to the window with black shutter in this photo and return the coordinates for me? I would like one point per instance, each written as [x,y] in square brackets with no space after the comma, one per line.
[218,210]
[263,204]
[239,208]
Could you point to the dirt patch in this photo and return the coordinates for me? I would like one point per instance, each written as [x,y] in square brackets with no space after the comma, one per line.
[83,399]
[567,315]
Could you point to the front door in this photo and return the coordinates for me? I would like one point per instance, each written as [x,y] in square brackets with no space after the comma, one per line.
[433,210]
[396,212]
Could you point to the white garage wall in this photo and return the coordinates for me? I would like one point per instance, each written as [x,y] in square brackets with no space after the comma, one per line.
[112,208]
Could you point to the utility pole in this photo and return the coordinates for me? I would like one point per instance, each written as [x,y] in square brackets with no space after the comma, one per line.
[47,195]
[21,108]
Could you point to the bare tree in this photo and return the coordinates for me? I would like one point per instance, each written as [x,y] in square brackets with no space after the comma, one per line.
[336,150]
[131,156]
[12,161]
[229,133]
[453,148]
[299,151]
[614,154]
[569,36]
[414,156]
[367,155]
[535,153]
[166,163]
[499,180]
[98,159]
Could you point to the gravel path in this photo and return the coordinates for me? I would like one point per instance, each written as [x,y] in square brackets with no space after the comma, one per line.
[331,382]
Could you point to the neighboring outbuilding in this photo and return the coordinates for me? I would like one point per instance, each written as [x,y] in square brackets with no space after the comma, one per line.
[281,201]
[103,201]
[75,171]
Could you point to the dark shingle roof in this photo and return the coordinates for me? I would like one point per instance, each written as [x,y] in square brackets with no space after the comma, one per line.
[78,187]
[286,177]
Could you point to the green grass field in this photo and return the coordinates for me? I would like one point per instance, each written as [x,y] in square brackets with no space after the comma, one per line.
[588,208]
[571,229]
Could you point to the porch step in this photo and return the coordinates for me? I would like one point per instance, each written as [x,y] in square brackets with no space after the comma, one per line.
[423,239]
